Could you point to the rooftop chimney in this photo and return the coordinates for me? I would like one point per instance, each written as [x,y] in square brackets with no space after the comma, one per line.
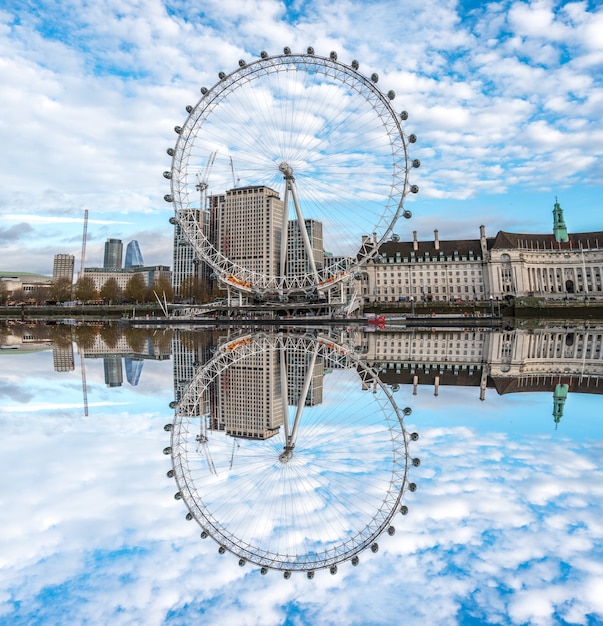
[436,241]
[415,243]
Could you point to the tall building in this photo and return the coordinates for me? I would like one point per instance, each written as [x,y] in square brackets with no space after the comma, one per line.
[114,250]
[63,266]
[133,255]
[246,227]
[297,257]
[185,262]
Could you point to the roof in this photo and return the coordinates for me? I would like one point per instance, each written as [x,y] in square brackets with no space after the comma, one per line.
[587,241]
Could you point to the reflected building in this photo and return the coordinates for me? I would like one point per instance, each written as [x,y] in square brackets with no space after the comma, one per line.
[133,369]
[63,358]
[113,370]
[249,399]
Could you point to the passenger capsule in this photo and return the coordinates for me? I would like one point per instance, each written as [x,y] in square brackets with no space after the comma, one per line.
[404,509]
[170,473]
[204,534]
[412,138]
[333,569]
[189,108]
[407,410]
[414,436]
[168,198]
[414,188]
[375,77]
[355,561]
[310,574]
[264,55]
[189,516]
[242,63]
[287,51]
[333,56]
[178,495]
[204,90]
[167,174]
[168,427]
[407,214]
[173,221]
[391,531]
[287,574]
[416,163]
[167,450]
[221,75]
[221,550]
[242,562]
[375,547]
[310,50]
[264,571]
[412,486]
[416,462]
[177,129]
[404,115]
[170,151]
[391,94]
[395,237]
[355,65]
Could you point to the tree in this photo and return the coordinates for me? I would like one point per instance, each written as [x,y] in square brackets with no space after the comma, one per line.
[191,290]
[136,289]
[61,290]
[85,289]
[160,286]
[3,294]
[110,292]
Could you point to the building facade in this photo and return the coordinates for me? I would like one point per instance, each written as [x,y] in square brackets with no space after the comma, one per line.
[150,274]
[133,255]
[63,267]
[114,250]
[553,266]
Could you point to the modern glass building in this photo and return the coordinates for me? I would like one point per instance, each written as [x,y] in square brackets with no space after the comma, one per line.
[114,250]
[133,255]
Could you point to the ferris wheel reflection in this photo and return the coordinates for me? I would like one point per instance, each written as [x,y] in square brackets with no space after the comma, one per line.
[279,461]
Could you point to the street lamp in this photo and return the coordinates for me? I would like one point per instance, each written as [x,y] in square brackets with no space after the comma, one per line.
[412,305]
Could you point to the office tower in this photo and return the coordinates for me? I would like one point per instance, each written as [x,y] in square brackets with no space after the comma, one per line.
[185,262]
[249,398]
[63,266]
[297,257]
[133,255]
[247,223]
[114,250]
[133,369]
[113,370]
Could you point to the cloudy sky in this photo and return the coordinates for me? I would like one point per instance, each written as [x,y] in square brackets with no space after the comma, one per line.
[505,98]
[504,528]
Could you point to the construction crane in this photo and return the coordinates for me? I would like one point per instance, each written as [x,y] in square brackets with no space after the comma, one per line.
[203,179]
[84,386]
[84,236]
[235,180]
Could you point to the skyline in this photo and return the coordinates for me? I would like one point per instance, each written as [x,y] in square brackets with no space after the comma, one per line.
[504,98]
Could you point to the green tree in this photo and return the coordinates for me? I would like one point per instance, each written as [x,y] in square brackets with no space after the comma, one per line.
[61,290]
[135,290]
[110,292]
[85,289]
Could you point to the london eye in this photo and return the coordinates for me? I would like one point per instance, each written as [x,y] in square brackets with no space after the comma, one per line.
[297,478]
[315,141]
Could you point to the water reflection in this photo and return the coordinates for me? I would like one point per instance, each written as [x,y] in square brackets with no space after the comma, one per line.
[504,526]
[274,462]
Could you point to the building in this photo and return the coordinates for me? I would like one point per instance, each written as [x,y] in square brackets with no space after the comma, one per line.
[185,261]
[63,267]
[114,250]
[23,284]
[555,265]
[298,262]
[150,274]
[245,225]
[133,255]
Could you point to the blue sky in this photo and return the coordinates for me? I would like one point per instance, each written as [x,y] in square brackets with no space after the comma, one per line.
[504,528]
[505,98]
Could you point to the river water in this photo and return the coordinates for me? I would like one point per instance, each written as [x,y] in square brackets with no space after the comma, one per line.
[347,477]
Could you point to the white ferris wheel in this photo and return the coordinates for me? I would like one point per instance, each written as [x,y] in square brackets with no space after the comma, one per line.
[318,490]
[325,139]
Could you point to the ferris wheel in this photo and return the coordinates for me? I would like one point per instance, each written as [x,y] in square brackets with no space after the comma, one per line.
[289,172]
[325,478]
